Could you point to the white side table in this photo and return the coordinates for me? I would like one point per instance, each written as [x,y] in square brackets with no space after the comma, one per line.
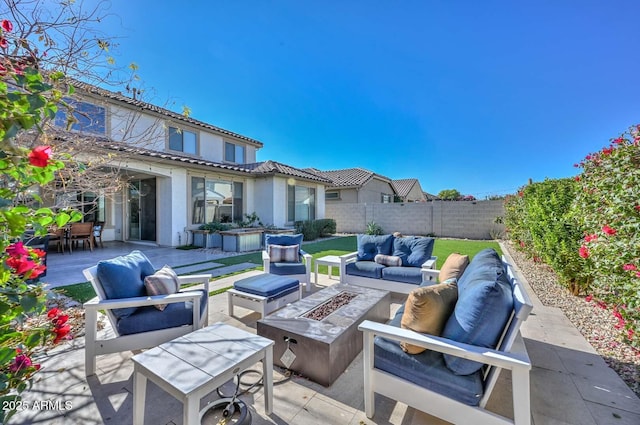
[329,261]
[194,365]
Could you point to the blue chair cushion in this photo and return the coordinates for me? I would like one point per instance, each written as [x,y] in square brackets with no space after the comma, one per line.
[369,246]
[484,306]
[413,251]
[403,274]
[123,277]
[426,369]
[365,269]
[266,284]
[284,269]
[149,318]
[285,240]
[486,264]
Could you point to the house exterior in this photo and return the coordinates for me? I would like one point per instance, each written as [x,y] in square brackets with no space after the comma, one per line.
[409,190]
[356,185]
[182,172]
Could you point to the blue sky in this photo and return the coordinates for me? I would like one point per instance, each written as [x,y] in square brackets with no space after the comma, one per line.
[477,96]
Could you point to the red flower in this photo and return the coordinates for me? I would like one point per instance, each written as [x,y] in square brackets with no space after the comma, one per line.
[588,298]
[53,313]
[607,151]
[577,178]
[7,26]
[638,274]
[637,207]
[630,333]
[17,249]
[39,156]
[61,332]
[628,267]
[619,141]
[590,238]
[602,305]
[608,230]
[61,320]
[22,265]
[3,43]
[584,252]
[20,362]
[40,253]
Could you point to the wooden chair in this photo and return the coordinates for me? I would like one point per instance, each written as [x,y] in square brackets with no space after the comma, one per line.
[81,232]
[59,236]
[143,313]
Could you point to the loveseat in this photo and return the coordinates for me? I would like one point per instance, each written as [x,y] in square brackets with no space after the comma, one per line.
[449,371]
[387,262]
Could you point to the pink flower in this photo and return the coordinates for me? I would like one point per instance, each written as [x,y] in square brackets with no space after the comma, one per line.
[590,238]
[17,249]
[24,266]
[7,26]
[39,156]
[619,141]
[20,362]
[3,43]
[602,305]
[588,298]
[577,178]
[628,267]
[607,151]
[638,274]
[584,252]
[608,230]
[637,207]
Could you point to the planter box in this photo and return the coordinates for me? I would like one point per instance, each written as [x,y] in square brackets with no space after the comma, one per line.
[205,239]
[242,240]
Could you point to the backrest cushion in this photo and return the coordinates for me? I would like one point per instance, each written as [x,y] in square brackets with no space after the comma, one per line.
[283,253]
[284,240]
[123,277]
[426,311]
[453,267]
[413,251]
[484,306]
[162,282]
[369,246]
[388,260]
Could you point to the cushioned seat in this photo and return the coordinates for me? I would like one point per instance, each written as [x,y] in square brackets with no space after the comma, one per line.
[403,274]
[365,269]
[283,269]
[149,318]
[267,285]
[426,369]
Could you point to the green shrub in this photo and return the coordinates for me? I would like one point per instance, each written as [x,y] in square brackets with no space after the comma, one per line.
[325,227]
[215,226]
[374,228]
[308,229]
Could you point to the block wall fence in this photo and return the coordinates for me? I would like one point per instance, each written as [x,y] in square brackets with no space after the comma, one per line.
[452,219]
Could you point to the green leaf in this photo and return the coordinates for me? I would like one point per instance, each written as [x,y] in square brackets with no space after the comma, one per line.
[28,303]
[62,219]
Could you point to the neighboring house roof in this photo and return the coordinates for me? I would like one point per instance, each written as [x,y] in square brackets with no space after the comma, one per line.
[265,167]
[404,186]
[430,197]
[349,177]
[89,88]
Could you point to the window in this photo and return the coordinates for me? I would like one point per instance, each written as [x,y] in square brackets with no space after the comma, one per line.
[331,195]
[215,200]
[234,153]
[90,204]
[301,203]
[87,117]
[386,199]
[182,140]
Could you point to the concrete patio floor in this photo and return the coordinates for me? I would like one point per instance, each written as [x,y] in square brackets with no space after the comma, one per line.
[570,382]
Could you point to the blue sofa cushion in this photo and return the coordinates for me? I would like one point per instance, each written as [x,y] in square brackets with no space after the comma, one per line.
[413,251]
[426,369]
[287,268]
[365,269]
[486,265]
[266,284]
[484,306]
[285,240]
[123,277]
[148,318]
[403,274]
[369,246]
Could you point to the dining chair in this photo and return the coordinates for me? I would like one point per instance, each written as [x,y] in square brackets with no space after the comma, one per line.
[81,232]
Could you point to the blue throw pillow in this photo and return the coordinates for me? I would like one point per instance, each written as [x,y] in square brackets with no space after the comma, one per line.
[369,246]
[285,240]
[413,251]
[484,306]
[486,264]
[123,277]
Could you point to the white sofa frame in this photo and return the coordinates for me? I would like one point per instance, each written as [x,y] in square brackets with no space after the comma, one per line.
[302,278]
[511,354]
[385,285]
[95,347]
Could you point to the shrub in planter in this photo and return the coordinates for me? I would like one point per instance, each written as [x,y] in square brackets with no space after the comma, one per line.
[325,226]
[308,229]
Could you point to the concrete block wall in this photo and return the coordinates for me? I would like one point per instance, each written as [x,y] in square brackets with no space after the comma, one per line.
[462,219]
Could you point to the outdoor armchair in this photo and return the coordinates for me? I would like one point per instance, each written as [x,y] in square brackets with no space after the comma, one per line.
[283,256]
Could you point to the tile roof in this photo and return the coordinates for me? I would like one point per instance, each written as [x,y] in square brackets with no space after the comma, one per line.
[258,168]
[117,96]
[349,177]
[403,186]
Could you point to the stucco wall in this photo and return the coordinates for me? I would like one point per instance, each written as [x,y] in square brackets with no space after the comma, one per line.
[471,220]
[373,190]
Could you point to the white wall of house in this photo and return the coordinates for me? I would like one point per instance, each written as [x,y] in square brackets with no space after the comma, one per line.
[131,126]
[263,203]
[416,194]
[373,190]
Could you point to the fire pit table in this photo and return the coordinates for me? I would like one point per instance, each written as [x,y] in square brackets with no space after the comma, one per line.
[322,329]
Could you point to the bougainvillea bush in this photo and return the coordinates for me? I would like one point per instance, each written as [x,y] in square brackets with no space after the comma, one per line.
[608,207]
[27,101]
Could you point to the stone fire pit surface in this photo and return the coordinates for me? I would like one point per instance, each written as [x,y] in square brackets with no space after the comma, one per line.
[324,348]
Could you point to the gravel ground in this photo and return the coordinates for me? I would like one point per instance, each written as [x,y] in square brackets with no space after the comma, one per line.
[595,323]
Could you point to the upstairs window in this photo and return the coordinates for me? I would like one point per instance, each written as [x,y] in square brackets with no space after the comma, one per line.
[387,199]
[87,117]
[182,140]
[233,153]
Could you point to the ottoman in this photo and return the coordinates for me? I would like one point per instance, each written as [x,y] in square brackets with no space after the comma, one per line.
[264,293]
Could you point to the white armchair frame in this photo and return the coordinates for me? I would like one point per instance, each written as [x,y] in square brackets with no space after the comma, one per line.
[302,278]
[511,354]
[95,346]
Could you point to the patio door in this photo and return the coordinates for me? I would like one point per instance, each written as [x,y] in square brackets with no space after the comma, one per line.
[141,200]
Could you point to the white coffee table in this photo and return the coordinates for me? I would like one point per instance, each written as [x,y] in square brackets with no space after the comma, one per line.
[329,261]
[192,366]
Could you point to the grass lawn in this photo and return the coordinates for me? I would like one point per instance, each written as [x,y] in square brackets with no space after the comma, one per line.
[82,292]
